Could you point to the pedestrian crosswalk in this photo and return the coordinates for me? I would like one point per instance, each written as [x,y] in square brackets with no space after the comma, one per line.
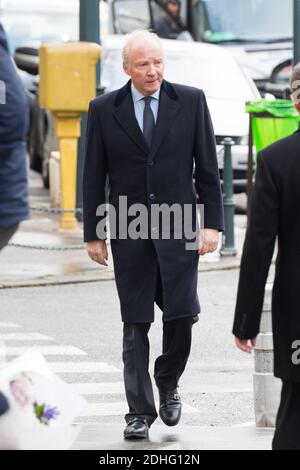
[102,386]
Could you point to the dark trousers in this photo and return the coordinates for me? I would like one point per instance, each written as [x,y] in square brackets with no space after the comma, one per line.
[168,367]
[287,433]
[6,233]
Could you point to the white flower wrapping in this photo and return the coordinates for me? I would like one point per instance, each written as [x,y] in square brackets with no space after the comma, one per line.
[42,406]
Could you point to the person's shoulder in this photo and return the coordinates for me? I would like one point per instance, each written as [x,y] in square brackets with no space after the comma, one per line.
[282,153]
[186,90]
[290,143]
[3,40]
[107,99]
[159,22]
[189,95]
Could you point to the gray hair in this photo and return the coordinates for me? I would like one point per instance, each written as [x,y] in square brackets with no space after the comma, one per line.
[138,37]
[295,83]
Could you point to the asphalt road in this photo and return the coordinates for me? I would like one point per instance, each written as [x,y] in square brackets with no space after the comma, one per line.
[216,388]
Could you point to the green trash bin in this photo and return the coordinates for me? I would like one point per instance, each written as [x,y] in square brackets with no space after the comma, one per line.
[271,121]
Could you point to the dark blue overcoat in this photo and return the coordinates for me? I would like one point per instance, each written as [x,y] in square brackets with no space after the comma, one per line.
[153,270]
[13,130]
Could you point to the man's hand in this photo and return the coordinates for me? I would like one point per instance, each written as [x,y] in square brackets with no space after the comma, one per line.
[97,251]
[209,240]
[246,345]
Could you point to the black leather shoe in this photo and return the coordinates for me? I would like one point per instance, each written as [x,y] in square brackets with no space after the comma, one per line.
[137,428]
[169,407]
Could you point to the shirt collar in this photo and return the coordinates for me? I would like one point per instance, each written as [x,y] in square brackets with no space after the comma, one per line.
[137,96]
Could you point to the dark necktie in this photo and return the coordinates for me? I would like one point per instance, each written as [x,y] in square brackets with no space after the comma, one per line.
[148,122]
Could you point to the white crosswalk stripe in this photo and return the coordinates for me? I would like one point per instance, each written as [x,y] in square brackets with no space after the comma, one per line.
[81,367]
[105,409]
[24,337]
[120,408]
[46,350]
[9,325]
[104,388]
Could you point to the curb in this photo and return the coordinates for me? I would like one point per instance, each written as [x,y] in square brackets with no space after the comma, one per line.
[84,280]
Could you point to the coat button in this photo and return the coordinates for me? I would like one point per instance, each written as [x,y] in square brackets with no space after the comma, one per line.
[150,162]
[152,196]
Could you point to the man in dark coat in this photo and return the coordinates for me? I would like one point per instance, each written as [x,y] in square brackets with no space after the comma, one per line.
[145,138]
[164,26]
[275,213]
[13,130]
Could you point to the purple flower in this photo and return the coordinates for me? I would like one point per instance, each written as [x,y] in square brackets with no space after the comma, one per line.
[45,413]
[51,413]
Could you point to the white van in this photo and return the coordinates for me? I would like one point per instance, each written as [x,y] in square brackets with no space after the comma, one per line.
[211,68]
[258,32]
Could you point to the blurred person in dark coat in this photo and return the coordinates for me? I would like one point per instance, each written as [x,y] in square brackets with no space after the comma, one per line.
[164,26]
[13,129]
[4,405]
[275,214]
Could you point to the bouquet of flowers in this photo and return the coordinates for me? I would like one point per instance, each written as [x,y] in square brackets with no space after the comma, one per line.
[42,407]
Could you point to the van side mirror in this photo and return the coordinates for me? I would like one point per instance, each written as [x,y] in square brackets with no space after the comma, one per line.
[27,59]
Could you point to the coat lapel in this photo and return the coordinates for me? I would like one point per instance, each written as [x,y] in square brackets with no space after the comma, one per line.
[125,116]
[167,112]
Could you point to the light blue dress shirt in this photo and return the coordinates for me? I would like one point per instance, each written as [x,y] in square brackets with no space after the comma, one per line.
[139,105]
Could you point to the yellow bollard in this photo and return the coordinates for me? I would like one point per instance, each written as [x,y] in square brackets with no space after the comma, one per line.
[67,84]
[67,128]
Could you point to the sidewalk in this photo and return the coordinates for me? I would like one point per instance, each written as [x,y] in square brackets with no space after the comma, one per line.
[109,437]
[56,262]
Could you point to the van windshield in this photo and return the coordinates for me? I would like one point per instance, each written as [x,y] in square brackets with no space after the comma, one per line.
[36,21]
[34,27]
[220,21]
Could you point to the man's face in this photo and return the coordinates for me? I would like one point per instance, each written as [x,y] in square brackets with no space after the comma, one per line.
[173,8]
[145,65]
